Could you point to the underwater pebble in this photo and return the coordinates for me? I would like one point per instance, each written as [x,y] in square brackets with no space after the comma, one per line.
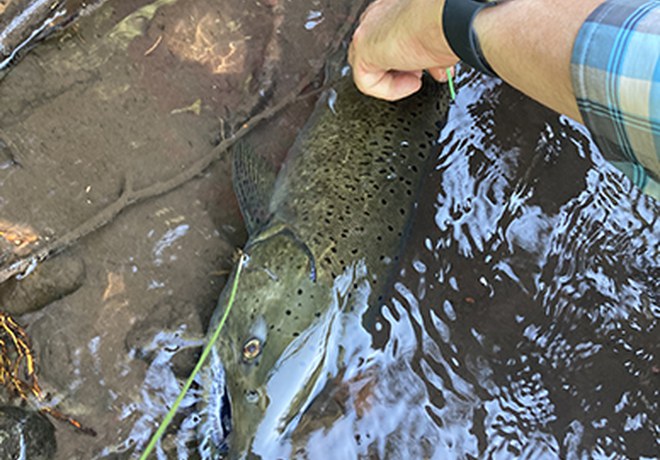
[25,434]
[51,280]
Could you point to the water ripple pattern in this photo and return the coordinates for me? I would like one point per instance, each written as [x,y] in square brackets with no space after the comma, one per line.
[531,290]
[524,320]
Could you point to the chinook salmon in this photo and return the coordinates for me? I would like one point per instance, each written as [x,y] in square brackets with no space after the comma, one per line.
[343,199]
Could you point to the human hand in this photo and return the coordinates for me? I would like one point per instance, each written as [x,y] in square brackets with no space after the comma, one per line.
[395,41]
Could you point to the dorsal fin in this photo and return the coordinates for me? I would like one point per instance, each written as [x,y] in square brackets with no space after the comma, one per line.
[254,180]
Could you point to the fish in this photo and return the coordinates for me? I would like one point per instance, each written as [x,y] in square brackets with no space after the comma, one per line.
[328,226]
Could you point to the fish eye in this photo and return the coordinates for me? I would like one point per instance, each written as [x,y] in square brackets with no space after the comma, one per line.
[252,349]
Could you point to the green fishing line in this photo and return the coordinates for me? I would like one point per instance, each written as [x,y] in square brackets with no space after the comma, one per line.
[450,80]
[207,349]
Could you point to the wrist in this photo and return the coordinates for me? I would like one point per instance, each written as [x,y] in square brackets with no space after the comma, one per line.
[529,44]
[486,31]
[457,20]
[427,17]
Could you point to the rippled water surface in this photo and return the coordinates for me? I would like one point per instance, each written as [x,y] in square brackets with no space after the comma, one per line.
[524,320]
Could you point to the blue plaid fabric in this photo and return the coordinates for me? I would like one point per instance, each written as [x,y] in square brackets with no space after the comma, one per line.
[616,77]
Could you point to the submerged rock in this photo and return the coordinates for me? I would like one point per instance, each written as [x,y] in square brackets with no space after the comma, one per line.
[25,434]
[53,279]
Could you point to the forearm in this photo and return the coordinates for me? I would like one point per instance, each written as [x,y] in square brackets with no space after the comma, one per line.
[529,45]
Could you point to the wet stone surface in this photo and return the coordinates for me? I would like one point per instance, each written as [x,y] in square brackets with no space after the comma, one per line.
[52,280]
[25,434]
[138,91]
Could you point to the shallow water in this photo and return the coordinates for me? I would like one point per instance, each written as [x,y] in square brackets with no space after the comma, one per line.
[523,322]
[549,305]
[134,91]
[524,319]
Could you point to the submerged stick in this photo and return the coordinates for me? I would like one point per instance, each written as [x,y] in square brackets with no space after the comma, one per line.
[129,196]
[18,371]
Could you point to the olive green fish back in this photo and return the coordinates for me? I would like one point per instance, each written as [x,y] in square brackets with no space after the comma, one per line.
[349,184]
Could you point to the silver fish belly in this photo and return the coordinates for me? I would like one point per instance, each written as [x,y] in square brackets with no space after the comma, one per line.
[342,203]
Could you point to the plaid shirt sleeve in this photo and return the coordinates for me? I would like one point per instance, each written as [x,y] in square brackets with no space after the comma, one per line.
[616,78]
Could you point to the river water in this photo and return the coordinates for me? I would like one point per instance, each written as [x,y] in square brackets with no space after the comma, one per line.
[524,322]
[524,319]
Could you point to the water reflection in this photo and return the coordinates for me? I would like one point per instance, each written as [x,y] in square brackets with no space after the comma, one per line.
[524,321]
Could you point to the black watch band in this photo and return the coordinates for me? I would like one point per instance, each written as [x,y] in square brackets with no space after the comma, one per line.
[457,18]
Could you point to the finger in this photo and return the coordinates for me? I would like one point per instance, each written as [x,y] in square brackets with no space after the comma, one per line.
[389,86]
[440,73]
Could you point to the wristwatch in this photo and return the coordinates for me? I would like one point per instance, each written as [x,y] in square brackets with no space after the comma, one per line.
[457,19]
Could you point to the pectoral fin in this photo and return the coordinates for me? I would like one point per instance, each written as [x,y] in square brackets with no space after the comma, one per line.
[254,180]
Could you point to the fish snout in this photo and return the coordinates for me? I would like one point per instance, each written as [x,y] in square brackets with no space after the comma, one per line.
[248,406]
